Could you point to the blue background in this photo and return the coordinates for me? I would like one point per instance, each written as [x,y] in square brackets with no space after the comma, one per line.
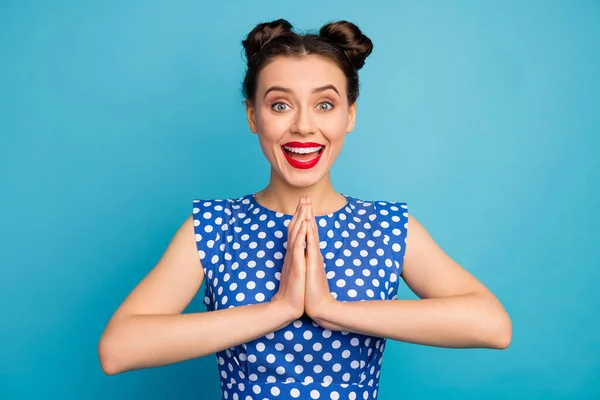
[483,116]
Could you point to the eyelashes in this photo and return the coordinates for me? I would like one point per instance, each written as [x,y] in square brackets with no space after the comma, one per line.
[280,106]
[325,103]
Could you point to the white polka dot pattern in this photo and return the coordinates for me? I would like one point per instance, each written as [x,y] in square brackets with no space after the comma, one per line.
[241,245]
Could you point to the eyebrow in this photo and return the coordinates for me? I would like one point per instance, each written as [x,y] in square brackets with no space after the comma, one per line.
[287,90]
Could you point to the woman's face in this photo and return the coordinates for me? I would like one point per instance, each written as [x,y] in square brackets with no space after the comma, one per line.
[301,115]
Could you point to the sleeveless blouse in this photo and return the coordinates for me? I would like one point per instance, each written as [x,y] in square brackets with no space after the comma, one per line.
[242,244]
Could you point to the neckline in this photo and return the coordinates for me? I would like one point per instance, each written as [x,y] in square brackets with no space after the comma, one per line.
[280,214]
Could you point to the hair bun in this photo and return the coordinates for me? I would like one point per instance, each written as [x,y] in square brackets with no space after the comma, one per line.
[350,39]
[264,33]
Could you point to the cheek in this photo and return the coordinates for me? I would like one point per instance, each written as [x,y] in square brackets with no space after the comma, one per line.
[272,127]
[334,129]
[270,133]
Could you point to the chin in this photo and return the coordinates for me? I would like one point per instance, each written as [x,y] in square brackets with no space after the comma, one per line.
[303,180]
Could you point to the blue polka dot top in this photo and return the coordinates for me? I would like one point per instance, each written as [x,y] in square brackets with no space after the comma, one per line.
[242,244]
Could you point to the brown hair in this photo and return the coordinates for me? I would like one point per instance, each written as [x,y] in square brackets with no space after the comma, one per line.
[341,42]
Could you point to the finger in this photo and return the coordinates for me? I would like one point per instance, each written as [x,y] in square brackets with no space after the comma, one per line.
[298,241]
[311,212]
[298,224]
[293,231]
[315,228]
[311,235]
[296,231]
[296,215]
[313,221]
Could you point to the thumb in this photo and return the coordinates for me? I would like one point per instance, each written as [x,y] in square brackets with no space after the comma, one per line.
[310,234]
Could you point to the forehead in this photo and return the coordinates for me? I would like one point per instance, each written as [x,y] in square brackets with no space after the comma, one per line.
[298,73]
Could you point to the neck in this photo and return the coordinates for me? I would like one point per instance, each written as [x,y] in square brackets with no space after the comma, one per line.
[280,196]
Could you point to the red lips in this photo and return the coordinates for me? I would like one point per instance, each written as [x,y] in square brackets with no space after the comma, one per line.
[303,144]
[302,164]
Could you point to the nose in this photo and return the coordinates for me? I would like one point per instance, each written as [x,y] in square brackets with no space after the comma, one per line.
[304,122]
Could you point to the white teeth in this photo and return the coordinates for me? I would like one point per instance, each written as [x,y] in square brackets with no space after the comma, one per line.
[303,150]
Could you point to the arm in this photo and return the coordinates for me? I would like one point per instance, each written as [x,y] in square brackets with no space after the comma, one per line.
[455,310]
[148,329]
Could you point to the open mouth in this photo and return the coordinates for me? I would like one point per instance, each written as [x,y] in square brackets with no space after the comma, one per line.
[303,154]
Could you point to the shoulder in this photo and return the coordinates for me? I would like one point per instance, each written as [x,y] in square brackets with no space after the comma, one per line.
[212,208]
[211,219]
[387,218]
[211,215]
[384,210]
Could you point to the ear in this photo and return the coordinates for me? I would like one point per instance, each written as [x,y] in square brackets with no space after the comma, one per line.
[251,115]
[351,118]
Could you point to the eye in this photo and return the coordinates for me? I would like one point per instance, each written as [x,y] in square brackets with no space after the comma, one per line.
[279,107]
[325,106]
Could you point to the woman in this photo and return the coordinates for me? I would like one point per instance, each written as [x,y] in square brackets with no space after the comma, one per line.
[301,280]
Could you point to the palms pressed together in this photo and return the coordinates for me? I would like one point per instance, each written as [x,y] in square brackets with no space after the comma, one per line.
[303,284]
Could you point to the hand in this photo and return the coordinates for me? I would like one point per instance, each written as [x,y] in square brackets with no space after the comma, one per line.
[293,274]
[317,295]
